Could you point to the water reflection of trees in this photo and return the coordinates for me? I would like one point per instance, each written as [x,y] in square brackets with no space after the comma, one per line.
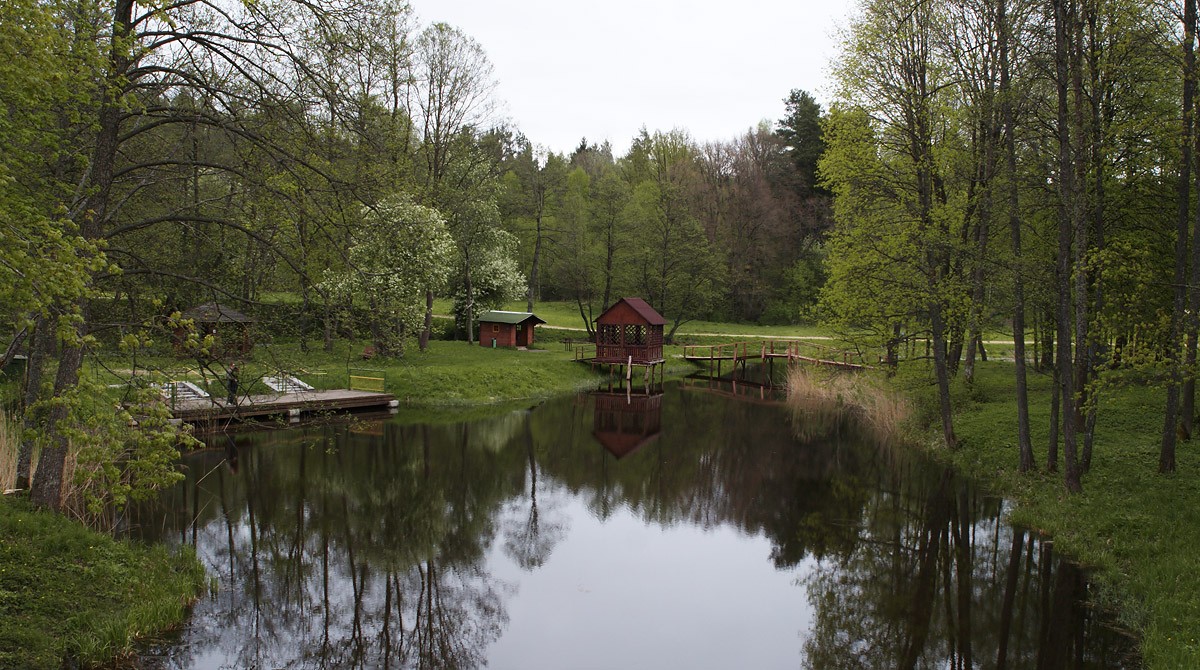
[342,552]
[344,548]
[913,568]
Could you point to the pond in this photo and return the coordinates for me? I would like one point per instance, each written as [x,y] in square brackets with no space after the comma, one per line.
[680,528]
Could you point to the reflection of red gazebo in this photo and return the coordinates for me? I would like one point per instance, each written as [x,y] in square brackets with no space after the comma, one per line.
[626,422]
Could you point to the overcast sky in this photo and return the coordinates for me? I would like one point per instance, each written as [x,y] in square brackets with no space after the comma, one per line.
[602,70]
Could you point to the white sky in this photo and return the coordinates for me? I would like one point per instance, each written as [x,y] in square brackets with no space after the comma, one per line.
[602,69]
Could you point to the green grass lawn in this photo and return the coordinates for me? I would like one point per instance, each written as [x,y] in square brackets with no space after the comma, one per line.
[69,593]
[448,374]
[1139,529]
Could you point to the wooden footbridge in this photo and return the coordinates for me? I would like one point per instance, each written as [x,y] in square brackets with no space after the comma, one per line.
[768,351]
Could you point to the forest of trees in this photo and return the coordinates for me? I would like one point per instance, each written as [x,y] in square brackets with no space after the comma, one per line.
[1004,162]
[984,165]
[343,158]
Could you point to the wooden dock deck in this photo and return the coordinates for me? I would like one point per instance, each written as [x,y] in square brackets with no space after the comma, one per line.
[296,404]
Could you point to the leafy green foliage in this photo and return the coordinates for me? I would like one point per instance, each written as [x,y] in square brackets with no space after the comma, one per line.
[43,259]
[123,453]
[495,280]
[402,251]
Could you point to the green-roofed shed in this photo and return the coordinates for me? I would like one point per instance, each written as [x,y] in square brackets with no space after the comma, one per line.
[507,329]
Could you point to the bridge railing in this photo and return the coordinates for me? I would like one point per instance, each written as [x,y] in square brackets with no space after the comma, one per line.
[775,348]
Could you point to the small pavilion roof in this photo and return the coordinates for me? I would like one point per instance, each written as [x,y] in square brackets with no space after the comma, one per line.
[499,316]
[212,312]
[642,308]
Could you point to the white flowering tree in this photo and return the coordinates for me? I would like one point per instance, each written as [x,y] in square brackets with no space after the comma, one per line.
[491,277]
[401,251]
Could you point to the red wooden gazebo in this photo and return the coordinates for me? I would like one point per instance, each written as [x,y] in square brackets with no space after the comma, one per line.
[630,333]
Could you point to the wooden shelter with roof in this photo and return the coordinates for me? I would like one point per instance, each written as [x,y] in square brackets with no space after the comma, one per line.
[507,329]
[630,330]
[630,333]
[229,328]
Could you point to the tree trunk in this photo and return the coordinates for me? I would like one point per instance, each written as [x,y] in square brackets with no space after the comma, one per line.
[892,355]
[375,324]
[1048,344]
[1082,362]
[39,351]
[1188,407]
[1055,424]
[609,252]
[470,301]
[1096,349]
[987,134]
[1024,438]
[90,216]
[48,483]
[1166,454]
[423,339]
[305,310]
[328,306]
[1068,203]
[533,269]
[587,322]
[942,371]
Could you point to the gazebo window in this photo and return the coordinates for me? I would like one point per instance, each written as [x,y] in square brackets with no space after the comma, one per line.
[609,335]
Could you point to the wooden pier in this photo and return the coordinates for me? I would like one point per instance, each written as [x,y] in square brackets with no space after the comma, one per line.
[767,351]
[291,405]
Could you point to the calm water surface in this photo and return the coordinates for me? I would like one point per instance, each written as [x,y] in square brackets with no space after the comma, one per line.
[682,529]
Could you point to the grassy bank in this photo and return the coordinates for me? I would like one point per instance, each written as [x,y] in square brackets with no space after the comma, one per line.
[69,593]
[448,375]
[1139,529]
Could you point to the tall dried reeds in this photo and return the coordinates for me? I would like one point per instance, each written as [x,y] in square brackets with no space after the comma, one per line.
[822,400]
[10,444]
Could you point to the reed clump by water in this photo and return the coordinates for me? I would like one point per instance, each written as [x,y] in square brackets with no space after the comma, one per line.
[821,399]
[10,444]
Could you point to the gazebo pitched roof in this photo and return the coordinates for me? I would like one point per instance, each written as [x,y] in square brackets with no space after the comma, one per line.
[499,316]
[642,308]
[212,312]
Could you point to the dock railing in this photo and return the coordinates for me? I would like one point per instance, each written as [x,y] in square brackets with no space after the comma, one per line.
[366,379]
[585,351]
